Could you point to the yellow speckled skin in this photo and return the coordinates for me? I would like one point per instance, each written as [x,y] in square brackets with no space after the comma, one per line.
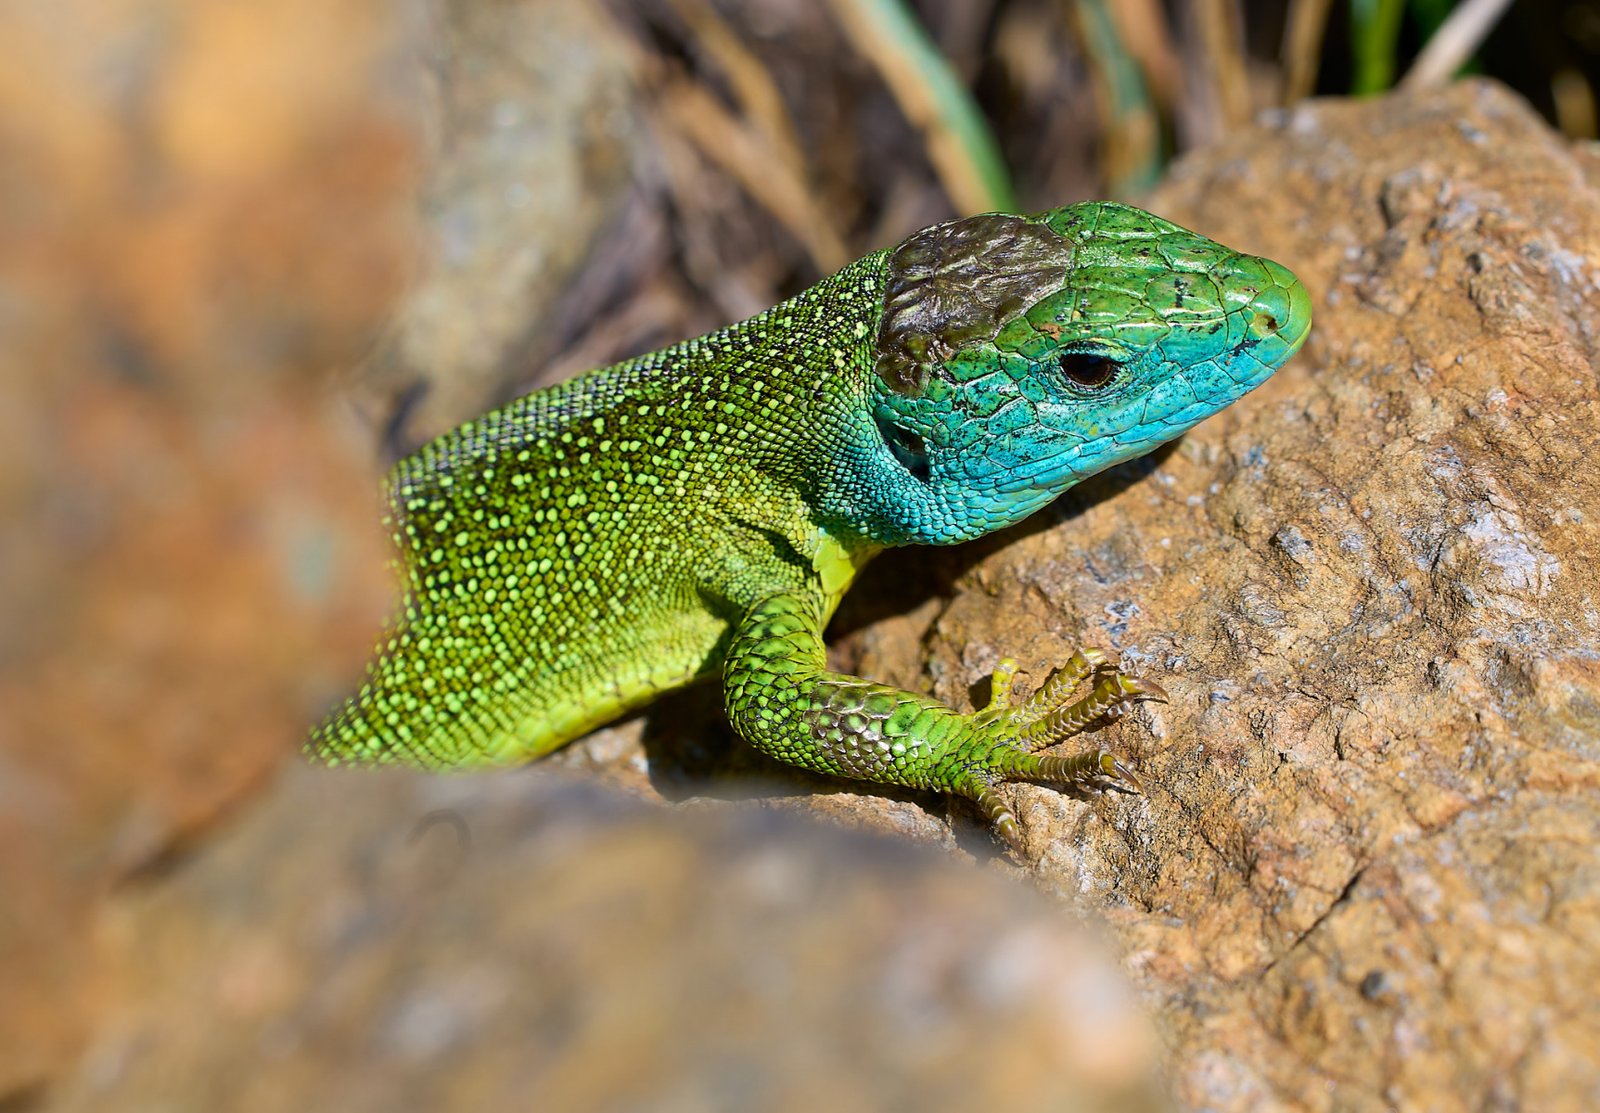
[588,546]
[703,507]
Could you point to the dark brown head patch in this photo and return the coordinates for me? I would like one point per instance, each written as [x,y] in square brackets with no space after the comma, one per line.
[958,283]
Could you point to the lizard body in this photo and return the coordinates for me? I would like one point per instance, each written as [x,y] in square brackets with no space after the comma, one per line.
[704,507]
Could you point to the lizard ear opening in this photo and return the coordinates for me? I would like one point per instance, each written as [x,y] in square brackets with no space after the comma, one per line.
[908,448]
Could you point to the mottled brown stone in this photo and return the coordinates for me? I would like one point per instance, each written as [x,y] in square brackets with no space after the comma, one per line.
[1366,874]
[386,941]
[1366,871]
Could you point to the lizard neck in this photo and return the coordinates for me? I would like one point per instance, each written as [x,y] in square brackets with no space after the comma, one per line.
[879,493]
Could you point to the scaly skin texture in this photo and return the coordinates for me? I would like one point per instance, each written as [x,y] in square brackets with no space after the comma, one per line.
[705,506]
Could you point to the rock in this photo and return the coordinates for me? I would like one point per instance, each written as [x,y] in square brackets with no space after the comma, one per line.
[1366,873]
[209,215]
[533,128]
[205,210]
[398,941]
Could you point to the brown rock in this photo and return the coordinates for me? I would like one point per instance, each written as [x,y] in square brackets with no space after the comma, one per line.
[398,941]
[204,209]
[1366,872]
[208,214]
[533,133]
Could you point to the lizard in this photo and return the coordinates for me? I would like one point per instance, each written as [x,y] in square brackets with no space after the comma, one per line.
[702,508]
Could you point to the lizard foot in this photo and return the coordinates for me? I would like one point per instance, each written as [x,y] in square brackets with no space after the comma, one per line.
[1097,770]
[1051,716]
[1048,716]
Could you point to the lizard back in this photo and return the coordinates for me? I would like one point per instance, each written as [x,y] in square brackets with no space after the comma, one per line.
[555,552]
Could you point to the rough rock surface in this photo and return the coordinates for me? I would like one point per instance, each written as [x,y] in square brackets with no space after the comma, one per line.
[205,208]
[1367,872]
[383,942]
[1365,875]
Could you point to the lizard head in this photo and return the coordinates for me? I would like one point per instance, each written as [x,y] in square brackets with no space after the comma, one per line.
[1018,355]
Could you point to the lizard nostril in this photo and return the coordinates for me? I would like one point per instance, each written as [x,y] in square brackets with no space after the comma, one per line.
[1265,323]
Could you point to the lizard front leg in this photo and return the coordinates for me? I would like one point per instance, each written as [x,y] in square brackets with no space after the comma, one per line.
[781,699]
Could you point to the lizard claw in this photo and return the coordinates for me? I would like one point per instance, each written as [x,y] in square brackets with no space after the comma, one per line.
[1120,778]
[1144,691]
[1095,770]
[1049,717]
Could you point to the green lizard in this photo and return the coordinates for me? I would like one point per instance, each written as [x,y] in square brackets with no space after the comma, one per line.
[586,547]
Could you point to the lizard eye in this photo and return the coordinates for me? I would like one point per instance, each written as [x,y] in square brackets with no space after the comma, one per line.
[1088,370]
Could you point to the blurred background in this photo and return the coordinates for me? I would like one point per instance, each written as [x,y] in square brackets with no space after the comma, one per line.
[252,251]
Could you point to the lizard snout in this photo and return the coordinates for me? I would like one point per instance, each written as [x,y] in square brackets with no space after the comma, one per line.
[1280,311]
